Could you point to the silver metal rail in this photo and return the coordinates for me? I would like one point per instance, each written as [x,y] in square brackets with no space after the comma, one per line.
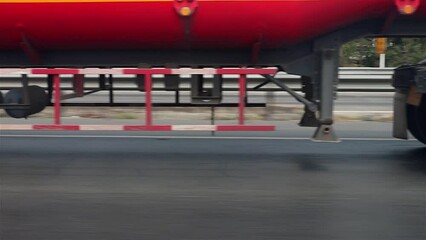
[352,79]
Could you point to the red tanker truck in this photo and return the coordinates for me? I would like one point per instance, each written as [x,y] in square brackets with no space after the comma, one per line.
[301,37]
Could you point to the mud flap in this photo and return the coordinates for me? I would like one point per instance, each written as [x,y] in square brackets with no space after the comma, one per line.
[400,124]
[414,96]
[401,99]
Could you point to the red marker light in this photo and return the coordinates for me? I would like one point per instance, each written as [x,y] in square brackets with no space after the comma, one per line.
[185,11]
[185,8]
[407,7]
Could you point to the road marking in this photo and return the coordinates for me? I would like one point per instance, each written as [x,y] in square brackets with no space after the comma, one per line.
[15,127]
[100,127]
[194,128]
[192,137]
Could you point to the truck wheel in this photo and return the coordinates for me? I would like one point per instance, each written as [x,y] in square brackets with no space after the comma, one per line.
[416,118]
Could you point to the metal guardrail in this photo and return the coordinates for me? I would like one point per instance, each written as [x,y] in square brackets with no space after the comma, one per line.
[354,79]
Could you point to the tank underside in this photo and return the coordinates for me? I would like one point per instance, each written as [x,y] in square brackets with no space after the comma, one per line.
[204,57]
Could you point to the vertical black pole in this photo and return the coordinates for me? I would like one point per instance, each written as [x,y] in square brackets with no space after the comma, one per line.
[111,89]
[212,118]
[26,97]
[50,87]
[177,97]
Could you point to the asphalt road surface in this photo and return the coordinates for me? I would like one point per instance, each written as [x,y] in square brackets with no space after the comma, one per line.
[112,186]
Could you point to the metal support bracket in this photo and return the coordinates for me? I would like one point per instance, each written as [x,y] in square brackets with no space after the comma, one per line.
[201,95]
[310,105]
[309,118]
[26,99]
[78,88]
[327,78]
[325,133]
[261,85]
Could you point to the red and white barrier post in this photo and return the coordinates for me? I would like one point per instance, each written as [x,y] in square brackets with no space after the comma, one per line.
[148,73]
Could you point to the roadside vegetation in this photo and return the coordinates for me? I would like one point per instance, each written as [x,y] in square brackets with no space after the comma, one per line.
[362,52]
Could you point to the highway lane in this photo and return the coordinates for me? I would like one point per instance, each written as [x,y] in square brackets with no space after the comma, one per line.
[115,186]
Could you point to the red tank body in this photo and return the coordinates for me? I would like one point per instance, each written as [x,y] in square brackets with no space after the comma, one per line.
[156,24]
[301,37]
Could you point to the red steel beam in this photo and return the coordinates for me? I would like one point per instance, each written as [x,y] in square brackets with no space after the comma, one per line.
[148,99]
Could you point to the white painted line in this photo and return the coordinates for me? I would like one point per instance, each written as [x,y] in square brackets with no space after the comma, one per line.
[339,140]
[194,128]
[15,127]
[101,127]
[376,139]
[193,71]
[14,71]
[100,71]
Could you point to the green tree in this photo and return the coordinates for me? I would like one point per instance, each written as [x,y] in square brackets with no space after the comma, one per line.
[361,52]
[358,53]
[405,51]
